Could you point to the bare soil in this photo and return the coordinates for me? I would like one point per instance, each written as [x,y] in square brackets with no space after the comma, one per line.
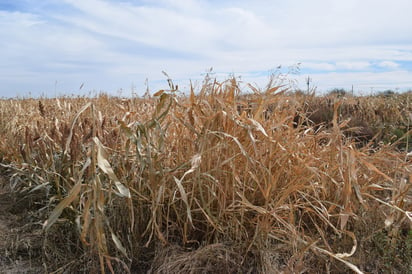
[20,243]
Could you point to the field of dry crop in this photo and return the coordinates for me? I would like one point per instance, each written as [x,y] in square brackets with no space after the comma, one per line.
[219,181]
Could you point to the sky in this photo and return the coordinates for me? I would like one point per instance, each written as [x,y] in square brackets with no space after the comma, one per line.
[82,47]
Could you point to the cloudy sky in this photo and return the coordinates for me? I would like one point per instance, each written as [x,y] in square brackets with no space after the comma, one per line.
[52,47]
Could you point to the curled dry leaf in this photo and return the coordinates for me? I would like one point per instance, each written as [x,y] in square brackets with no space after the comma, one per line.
[104,165]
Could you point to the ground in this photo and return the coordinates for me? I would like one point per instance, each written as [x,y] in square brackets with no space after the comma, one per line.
[20,245]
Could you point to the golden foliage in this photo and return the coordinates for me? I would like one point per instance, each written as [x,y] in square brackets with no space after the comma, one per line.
[263,171]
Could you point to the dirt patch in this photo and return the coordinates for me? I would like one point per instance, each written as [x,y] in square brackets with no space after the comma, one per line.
[20,241]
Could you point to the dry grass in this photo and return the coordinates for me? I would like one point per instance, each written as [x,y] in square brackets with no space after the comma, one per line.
[215,182]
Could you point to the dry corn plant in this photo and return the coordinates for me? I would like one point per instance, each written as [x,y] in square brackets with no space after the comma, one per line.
[182,184]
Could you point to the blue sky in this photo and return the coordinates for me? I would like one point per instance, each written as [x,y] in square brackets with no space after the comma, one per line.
[52,47]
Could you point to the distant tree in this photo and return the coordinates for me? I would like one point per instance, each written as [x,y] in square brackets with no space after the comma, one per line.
[387,93]
[339,92]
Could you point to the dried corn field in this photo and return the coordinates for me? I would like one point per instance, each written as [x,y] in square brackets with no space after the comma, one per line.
[218,181]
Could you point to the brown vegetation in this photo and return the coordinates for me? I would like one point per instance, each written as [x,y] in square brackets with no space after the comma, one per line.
[213,182]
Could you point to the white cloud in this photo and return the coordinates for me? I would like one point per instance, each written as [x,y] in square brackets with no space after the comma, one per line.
[353,65]
[110,44]
[152,26]
[319,66]
[388,64]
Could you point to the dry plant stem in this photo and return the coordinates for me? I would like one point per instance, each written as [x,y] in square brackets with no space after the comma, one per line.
[247,174]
